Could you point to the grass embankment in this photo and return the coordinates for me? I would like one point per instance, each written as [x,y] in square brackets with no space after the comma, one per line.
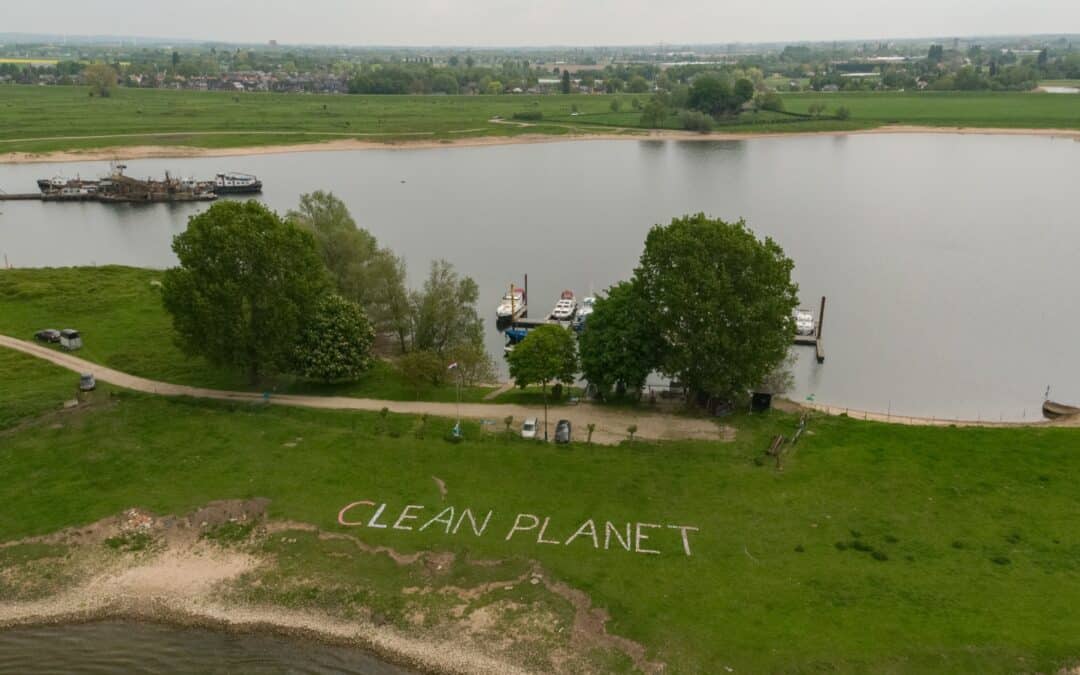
[42,119]
[877,549]
[118,310]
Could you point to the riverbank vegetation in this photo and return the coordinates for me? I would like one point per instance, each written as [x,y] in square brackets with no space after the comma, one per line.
[124,325]
[878,548]
[45,119]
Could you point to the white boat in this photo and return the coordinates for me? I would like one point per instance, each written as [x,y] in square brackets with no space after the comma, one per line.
[512,304]
[804,322]
[587,307]
[565,308]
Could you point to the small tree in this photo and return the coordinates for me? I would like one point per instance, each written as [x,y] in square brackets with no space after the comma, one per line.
[566,81]
[101,78]
[421,369]
[335,345]
[591,428]
[632,429]
[616,105]
[618,349]
[842,113]
[547,354]
[508,420]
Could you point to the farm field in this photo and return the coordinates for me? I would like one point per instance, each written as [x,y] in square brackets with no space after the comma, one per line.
[43,119]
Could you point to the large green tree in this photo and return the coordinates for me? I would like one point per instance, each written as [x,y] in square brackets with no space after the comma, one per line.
[618,348]
[711,95]
[722,302]
[335,346]
[370,276]
[547,354]
[246,285]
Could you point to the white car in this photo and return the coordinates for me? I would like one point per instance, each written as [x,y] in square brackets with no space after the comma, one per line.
[529,428]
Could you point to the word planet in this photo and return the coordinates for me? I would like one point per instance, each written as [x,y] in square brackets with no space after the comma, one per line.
[636,537]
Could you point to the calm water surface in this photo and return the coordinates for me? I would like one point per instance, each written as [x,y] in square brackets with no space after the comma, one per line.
[950,262]
[123,647]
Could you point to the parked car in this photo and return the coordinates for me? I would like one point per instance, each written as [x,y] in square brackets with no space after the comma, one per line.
[87,382]
[529,428]
[48,335]
[562,431]
[70,339]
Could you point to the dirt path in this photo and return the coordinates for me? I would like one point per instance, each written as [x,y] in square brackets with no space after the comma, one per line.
[610,424]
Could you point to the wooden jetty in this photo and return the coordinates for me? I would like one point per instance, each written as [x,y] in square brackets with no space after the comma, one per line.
[30,196]
[815,339]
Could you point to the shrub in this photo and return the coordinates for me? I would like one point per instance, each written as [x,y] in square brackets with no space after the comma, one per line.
[1000,560]
[840,546]
[529,115]
[880,555]
[842,113]
[693,120]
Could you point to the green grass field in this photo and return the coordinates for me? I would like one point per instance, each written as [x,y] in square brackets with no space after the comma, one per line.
[118,310]
[41,119]
[877,549]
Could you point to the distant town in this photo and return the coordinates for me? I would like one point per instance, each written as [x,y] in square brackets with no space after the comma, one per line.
[995,63]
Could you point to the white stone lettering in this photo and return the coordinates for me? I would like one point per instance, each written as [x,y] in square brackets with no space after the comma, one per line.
[518,527]
[405,515]
[588,528]
[640,537]
[448,520]
[540,536]
[685,537]
[610,529]
[466,513]
[378,512]
[349,523]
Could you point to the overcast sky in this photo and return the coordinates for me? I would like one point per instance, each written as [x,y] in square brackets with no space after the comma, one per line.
[539,22]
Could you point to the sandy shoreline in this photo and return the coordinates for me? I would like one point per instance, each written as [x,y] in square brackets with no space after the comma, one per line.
[181,578]
[353,144]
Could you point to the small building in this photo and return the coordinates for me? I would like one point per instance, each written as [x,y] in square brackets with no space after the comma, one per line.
[70,339]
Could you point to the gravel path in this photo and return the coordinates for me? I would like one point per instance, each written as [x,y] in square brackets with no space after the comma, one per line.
[611,424]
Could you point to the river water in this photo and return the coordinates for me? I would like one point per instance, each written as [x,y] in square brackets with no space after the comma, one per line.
[949,261]
[124,647]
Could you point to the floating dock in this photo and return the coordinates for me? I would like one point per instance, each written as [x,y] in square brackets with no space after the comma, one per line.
[815,339]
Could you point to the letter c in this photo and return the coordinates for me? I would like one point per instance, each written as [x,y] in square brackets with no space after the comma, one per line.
[341,514]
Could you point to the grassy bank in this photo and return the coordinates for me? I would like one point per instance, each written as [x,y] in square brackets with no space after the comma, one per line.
[877,548]
[41,119]
[118,310]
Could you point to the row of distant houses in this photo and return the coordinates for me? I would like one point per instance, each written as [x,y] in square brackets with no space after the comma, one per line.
[316,83]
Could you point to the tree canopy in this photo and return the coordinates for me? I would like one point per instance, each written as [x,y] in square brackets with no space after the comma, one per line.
[547,354]
[445,313]
[618,348]
[364,273]
[722,301]
[246,285]
[335,345]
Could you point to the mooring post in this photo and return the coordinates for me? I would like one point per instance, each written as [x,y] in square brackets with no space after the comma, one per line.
[820,326]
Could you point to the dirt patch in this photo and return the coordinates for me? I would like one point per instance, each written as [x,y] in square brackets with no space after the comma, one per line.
[188,575]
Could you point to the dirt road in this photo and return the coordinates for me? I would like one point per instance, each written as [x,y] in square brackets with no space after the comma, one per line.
[610,424]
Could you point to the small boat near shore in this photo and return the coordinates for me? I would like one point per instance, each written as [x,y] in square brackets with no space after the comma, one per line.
[1054,410]
[233,183]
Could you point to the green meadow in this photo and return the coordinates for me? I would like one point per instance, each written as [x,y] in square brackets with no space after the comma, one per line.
[42,119]
[877,549]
